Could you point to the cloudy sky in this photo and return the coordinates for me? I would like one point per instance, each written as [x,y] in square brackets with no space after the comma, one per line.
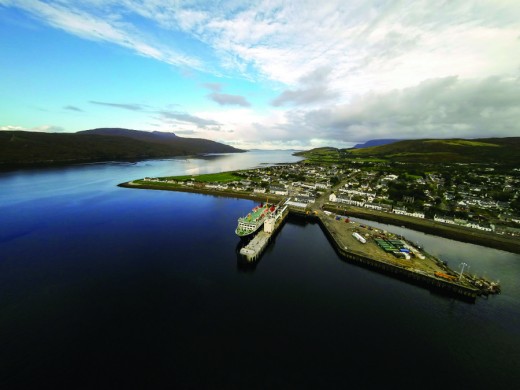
[263,74]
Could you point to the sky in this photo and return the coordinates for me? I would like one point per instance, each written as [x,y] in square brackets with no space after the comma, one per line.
[268,74]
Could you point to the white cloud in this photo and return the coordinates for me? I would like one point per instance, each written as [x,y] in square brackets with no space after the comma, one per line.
[439,108]
[183,119]
[314,89]
[99,21]
[368,45]
[11,128]
[42,128]
[125,106]
[346,70]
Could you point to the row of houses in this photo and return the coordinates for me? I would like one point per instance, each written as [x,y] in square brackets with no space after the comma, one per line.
[360,203]
[462,222]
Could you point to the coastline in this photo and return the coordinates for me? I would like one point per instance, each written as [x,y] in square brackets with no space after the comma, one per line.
[457,233]
[203,191]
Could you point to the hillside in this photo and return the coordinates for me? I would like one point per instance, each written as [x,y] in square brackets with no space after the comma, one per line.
[179,145]
[19,148]
[487,150]
[375,142]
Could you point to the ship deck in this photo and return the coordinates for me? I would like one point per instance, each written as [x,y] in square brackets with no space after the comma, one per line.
[251,217]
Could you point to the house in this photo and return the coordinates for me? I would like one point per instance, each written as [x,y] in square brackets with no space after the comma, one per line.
[378,206]
[304,199]
[374,206]
[402,211]
[443,219]
[278,190]
[322,186]
[341,199]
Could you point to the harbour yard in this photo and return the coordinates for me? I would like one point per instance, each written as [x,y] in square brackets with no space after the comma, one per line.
[394,255]
[379,250]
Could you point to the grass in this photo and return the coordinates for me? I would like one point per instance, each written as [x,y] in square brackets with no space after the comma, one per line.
[460,142]
[412,177]
[221,177]
[336,156]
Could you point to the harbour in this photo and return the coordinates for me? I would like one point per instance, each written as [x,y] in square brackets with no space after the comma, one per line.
[157,285]
[378,250]
[253,250]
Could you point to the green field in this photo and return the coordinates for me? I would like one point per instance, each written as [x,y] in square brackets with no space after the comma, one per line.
[336,156]
[222,177]
[460,142]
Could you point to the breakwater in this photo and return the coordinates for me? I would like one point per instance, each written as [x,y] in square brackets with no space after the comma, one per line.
[415,276]
[458,233]
[425,271]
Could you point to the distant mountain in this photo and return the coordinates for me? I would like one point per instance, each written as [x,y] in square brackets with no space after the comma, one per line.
[446,150]
[151,136]
[34,148]
[375,142]
[180,146]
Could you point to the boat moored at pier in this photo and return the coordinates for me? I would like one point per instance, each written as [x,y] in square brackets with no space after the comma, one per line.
[252,222]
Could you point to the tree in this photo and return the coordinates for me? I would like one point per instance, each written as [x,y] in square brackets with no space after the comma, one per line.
[515,205]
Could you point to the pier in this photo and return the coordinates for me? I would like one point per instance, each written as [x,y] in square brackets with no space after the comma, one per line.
[378,250]
[411,265]
[257,245]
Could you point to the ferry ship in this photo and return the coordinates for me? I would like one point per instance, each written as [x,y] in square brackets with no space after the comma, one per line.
[249,225]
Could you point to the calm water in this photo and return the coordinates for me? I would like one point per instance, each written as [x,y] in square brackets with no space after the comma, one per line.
[106,287]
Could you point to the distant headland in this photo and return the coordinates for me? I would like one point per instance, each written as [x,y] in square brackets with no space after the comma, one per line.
[24,148]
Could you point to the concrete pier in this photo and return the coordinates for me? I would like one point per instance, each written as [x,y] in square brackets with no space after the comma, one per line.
[422,269]
[257,245]
[378,250]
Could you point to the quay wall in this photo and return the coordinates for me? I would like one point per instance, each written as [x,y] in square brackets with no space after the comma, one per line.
[459,233]
[264,239]
[423,280]
[203,191]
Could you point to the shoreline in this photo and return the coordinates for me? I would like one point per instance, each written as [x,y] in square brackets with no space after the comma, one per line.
[426,226]
[457,233]
[202,191]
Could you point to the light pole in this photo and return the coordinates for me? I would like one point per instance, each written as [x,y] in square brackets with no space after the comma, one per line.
[462,266]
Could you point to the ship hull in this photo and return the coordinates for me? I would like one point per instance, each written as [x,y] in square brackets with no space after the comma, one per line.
[246,229]
[248,236]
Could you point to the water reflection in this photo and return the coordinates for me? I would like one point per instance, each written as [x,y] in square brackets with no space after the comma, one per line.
[244,265]
[489,263]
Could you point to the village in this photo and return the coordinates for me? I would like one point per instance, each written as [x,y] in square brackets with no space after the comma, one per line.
[468,195]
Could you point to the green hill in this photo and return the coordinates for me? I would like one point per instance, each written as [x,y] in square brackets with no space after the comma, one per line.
[486,150]
[18,148]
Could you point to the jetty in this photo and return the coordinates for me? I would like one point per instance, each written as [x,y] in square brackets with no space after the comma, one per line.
[378,250]
[257,245]
[394,255]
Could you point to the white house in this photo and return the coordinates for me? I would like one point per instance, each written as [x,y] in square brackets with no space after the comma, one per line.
[279,190]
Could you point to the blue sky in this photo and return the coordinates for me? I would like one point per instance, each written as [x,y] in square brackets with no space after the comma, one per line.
[271,74]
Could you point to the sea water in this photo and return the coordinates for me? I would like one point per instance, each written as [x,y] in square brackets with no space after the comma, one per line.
[108,287]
